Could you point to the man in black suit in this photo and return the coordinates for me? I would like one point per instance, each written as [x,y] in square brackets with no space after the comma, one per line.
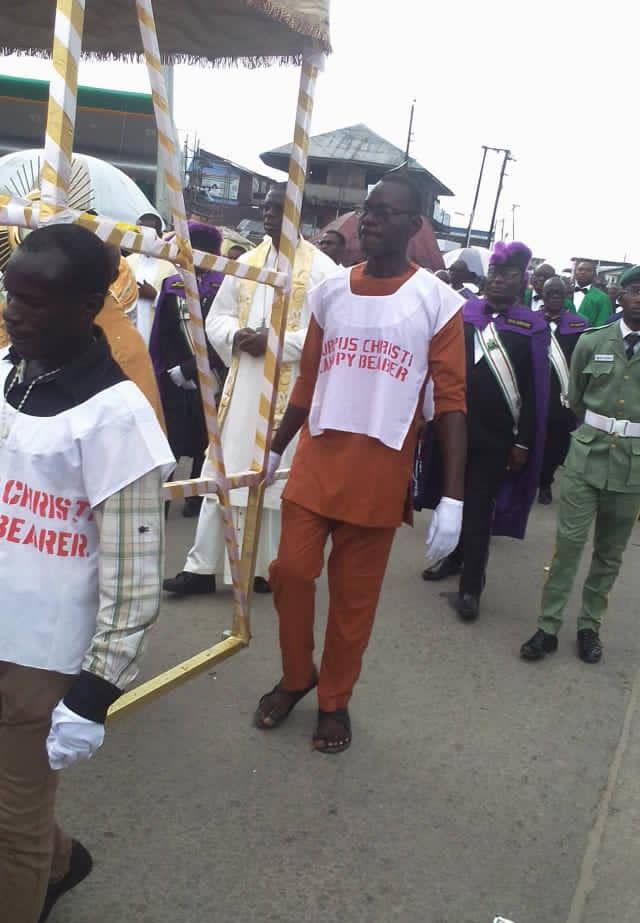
[507,390]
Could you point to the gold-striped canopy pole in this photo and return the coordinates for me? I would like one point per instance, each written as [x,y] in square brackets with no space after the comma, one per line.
[61,116]
[273,356]
[170,164]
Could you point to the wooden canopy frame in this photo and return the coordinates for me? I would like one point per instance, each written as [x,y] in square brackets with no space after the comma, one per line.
[53,207]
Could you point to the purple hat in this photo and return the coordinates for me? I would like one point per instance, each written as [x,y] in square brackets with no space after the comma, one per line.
[207,232]
[515,254]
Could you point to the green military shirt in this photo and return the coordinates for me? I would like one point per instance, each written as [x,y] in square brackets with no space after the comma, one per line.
[605,381]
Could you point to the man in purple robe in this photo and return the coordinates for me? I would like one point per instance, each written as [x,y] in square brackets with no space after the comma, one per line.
[174,359]
[566,328]
[507,394]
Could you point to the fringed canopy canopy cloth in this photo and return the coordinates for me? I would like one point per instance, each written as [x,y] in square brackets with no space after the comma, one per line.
[218,31]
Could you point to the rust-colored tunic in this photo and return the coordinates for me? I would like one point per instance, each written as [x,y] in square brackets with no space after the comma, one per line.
[351,477]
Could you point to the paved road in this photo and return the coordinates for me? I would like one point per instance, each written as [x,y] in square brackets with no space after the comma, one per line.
[476,785]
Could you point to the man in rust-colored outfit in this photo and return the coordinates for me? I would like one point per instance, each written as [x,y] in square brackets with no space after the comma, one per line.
[377,333]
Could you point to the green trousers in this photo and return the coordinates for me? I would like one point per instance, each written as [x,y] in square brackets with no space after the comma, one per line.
[615,515]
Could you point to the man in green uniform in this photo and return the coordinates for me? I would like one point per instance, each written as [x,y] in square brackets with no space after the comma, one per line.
[588,299]
[602,476]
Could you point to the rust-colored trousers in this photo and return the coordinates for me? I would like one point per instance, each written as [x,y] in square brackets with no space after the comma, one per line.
[33,850]
[356,568]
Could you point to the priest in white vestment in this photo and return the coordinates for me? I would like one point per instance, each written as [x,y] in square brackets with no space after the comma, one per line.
[237,328]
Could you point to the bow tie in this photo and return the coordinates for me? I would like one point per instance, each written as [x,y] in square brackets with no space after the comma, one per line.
[583,290]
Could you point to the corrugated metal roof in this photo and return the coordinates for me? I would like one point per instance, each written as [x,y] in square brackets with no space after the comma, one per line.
[357,143]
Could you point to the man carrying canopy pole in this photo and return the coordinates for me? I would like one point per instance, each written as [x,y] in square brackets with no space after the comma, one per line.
[376,334]
[82,459]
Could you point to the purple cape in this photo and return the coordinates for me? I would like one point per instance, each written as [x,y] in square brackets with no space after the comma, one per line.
[571,324]
[208,285]
[518,491]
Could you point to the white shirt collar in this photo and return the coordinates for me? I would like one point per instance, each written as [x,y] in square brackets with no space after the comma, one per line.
[625,330]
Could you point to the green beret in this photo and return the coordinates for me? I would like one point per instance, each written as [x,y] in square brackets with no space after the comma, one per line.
[629,276]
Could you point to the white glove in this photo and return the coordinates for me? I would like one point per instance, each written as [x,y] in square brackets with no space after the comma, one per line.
[72,737]
[444,530]
[176,376]
[273,463]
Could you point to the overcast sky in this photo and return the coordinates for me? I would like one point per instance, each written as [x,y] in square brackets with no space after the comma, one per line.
[556,82]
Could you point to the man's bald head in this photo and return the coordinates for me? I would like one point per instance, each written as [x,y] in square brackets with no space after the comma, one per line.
[554,294]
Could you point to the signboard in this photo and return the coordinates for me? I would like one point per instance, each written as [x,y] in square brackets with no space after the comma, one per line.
[218,184]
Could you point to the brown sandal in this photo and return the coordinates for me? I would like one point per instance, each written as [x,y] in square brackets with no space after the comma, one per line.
[333,733]
[276,706]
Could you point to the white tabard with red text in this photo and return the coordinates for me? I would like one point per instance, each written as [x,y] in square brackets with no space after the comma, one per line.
[375,355]
[54,471]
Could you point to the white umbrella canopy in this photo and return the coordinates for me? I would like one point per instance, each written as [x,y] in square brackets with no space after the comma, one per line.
[95,184]
[476,258]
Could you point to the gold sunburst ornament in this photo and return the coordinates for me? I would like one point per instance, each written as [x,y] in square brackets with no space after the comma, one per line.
[25,184]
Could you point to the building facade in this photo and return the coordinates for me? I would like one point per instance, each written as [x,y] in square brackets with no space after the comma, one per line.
[342,167]
[113,126]
[223,192]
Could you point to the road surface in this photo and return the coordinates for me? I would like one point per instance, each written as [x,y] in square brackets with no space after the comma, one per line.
[476,785]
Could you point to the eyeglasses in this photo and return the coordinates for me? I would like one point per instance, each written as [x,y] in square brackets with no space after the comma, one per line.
[631,290]
[381,213]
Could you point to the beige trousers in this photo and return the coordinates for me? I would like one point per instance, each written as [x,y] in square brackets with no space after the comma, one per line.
[33,849]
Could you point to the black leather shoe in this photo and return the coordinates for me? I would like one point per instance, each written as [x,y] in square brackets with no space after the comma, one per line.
[448,567]
[260,585]
[191,508]
[589,645]
[468,607]
[80,867]
[186,584]
[545,497]
[539,646]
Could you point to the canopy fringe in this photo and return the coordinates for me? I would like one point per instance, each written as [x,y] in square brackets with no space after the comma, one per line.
[137,57]
[295,23]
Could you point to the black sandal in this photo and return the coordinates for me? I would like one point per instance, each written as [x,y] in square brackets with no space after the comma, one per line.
[274,715]
[325,742]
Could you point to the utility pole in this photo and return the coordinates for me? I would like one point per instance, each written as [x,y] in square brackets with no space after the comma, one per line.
[513,220]
[410,132]
[162,193]
[475,199]
[507,158]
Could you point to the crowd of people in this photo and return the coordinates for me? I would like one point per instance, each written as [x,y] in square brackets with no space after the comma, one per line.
[400,389]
